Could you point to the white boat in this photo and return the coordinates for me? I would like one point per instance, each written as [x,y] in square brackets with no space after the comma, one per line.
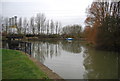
[69,38]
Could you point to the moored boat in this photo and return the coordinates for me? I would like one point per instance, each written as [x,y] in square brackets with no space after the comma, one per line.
[69,38]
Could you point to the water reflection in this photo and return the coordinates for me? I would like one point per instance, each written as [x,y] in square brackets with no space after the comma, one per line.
[17,45]
[71,59]
[42,50]
[97,64]
[100,64]
[71,46]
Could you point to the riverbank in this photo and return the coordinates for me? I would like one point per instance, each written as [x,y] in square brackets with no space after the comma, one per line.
[17,65]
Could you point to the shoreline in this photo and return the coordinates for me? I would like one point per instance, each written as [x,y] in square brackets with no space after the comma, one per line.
[45,69]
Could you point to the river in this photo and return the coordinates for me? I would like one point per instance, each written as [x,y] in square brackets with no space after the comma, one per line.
[74,60]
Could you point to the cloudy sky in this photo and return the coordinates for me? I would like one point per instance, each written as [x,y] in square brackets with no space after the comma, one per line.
[68,12]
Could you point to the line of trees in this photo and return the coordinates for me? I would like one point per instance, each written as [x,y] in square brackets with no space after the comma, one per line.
[74,31]
[37,25]
[102,25]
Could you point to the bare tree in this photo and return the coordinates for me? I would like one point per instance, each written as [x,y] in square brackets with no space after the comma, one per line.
[25,25]
[19,27]
[40,21]
[48,25]
[56,26]
[1,24]
[59,28]
[74,30]
[103,18]
[32,25]
[52,27]
[43,19]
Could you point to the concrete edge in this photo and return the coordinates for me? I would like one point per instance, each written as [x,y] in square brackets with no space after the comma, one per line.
[45,69]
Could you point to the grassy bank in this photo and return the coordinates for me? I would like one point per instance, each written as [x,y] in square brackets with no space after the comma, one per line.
[16,65]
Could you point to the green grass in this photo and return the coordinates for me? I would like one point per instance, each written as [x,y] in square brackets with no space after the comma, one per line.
[16,65]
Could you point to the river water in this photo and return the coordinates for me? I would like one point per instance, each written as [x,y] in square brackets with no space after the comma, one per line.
[74,60]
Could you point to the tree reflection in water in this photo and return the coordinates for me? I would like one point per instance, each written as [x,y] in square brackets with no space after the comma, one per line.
[42,50]
[100,65]
[84,62]
[17,45]
[73,46]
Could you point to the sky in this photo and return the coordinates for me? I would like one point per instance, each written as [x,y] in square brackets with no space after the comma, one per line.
[68,12]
